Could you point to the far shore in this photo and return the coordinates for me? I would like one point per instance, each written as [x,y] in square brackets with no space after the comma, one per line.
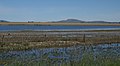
[59,24]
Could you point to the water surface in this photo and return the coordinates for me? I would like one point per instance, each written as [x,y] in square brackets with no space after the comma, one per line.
[31,27]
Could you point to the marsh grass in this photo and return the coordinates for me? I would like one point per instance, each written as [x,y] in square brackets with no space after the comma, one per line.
[83,55]
[38,42]
[87,60]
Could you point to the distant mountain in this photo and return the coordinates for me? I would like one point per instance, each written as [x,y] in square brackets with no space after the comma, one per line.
[99,22]
[71,20]
[80,21]
[3,21]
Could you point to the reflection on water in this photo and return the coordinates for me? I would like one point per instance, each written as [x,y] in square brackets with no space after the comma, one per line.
[63,56]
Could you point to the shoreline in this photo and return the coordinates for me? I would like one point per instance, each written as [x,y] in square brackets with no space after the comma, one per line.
[59,24]
[67,30]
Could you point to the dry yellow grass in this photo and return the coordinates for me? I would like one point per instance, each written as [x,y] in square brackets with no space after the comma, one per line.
[53,23]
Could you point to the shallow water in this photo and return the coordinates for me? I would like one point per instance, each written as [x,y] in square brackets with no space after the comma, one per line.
[64,55]
[30,27]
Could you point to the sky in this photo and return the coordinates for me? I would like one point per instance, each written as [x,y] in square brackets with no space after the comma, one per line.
[54,10]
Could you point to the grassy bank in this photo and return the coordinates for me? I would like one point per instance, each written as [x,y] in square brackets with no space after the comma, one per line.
[23,40]
[85,62]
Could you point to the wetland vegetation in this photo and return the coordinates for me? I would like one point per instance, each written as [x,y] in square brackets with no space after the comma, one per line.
[60,48]
[76,55]
[20,40]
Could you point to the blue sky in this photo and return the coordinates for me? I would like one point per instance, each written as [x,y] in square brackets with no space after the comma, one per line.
[53,10]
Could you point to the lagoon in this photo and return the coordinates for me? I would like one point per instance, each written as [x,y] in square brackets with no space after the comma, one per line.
[40,27]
